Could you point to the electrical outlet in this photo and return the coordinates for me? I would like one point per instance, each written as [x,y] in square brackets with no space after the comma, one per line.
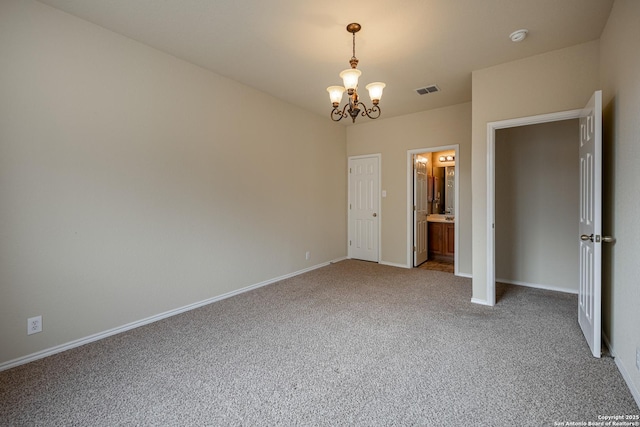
[34,325]
[307,255]
[638,358]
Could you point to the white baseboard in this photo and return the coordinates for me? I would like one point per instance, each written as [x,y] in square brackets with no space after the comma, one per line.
[481,302]
[467,275]
[623,371]
[530,285]
[627,378]
[605,338]
[538,286]
[393,264]
[95,337]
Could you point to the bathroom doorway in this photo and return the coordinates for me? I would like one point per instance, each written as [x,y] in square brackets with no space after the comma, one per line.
[432,207]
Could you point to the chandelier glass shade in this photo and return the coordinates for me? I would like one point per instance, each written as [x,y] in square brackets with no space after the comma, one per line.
[350,78]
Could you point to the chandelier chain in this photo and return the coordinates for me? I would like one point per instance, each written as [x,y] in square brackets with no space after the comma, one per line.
[354,46]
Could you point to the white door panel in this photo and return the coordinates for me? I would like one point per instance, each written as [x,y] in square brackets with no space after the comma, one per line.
[590,227]
[364,208]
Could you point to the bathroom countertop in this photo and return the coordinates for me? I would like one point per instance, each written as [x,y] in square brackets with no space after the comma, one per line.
[440,218]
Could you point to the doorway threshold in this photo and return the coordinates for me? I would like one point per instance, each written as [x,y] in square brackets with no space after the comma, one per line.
[446,266]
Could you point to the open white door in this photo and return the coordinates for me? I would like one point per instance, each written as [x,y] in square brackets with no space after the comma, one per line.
[363,208]
[589,293]
[420,210]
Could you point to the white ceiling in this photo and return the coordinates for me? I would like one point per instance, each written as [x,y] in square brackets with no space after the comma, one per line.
[294,49]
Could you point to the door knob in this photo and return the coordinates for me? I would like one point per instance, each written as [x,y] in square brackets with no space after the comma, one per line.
[605,239]
[375,214]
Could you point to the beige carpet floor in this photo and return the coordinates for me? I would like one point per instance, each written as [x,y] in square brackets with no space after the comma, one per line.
[353,343]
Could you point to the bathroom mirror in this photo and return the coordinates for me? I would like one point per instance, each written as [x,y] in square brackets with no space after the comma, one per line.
[450,190]
[444,190]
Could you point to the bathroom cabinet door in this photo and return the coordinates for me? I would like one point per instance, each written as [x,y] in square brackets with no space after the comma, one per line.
[449,239]
[435,238]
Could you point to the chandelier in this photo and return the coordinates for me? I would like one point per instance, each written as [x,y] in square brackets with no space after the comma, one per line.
[350,80]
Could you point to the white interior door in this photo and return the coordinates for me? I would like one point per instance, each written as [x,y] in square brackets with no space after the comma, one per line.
[420,210]
[364,208]
[590,229]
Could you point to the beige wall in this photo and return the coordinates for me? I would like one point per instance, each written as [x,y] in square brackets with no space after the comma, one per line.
[536,205]
[620,80]
[555,81]
[133,183]
[393,138]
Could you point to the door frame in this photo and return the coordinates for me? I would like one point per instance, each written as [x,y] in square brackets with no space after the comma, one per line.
[492,127]
[410,195]
[378,156]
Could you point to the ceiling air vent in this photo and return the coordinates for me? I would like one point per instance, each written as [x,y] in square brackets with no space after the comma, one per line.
[428,89]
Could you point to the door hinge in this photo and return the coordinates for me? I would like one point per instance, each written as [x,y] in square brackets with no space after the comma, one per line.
[349,242]
[349,170]
[414,249]
[349,205]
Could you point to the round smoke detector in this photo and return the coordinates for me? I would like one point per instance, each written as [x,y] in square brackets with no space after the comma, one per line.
[518,36]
